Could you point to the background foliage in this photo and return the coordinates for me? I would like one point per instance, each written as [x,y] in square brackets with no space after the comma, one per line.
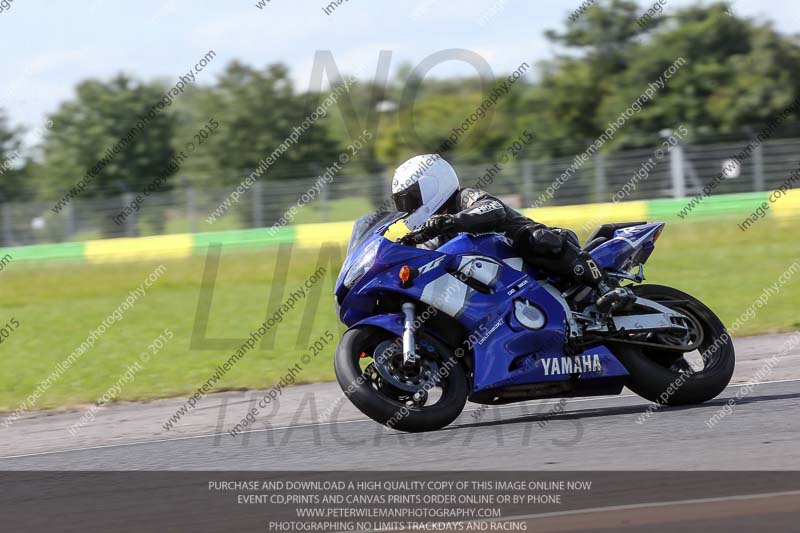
[739,73]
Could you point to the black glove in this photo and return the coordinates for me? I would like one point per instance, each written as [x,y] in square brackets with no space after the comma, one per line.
[436,225]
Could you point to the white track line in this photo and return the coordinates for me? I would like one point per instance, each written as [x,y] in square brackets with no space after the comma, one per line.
[633,506]
[321,424]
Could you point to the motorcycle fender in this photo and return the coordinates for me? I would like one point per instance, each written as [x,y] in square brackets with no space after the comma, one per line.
[392,323]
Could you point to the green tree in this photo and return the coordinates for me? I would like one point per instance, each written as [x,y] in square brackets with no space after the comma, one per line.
[737,72]
[257,110]
[119,131]
[12,185]
[605,34]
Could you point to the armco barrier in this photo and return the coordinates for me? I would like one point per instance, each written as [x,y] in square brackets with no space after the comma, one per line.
[312,235]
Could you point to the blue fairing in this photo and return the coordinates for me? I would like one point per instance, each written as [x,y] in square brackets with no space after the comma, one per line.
[505,351]
[630,246]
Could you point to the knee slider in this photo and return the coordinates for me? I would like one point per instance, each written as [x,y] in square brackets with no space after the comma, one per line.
[568,235]
[547,242]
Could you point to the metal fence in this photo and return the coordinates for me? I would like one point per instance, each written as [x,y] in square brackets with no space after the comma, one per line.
[681,171]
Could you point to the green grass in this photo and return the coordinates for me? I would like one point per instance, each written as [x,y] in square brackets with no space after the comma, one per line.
[336,210]
[57,306]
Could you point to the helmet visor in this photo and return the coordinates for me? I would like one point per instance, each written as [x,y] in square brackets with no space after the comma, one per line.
[408,200]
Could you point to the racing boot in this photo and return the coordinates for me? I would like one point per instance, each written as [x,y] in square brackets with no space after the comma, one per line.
[557,250]
[613,298]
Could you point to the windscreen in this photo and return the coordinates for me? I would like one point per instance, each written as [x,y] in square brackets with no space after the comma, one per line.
[365,226]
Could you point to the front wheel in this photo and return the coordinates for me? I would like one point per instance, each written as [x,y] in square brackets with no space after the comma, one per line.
[672,377]
[369,369]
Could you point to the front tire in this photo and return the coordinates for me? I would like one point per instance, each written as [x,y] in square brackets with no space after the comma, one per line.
[670,378]
[386,404]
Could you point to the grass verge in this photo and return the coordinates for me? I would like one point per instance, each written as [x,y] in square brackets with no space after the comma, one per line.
[58,305]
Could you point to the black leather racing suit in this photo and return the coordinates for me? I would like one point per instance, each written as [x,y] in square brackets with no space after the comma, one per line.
[554,250]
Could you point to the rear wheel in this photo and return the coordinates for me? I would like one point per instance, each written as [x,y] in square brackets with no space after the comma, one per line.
[672,377]
[369,369]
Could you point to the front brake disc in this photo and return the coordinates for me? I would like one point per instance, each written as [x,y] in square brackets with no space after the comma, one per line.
[388,360]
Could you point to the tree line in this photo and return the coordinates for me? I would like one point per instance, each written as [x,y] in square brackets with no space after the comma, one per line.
[738,73]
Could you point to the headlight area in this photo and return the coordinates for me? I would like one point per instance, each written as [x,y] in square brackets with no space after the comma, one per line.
[361,265]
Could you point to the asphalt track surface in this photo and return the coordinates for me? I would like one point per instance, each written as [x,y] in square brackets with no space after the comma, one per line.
[765,512]
[761,432]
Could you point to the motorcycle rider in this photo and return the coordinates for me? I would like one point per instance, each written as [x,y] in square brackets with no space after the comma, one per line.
[427,187]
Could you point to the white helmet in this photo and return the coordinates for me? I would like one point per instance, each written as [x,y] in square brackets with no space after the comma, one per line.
[421,186]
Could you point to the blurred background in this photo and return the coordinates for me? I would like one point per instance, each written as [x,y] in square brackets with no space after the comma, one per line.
[211,91]
[60,112]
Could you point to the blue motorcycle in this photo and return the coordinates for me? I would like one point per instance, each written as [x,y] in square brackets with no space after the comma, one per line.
[429,329]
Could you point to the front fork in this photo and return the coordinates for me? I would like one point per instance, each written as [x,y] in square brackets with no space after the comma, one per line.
[409,344]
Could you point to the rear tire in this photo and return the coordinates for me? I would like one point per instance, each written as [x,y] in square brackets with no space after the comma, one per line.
[367,397]
[652,379]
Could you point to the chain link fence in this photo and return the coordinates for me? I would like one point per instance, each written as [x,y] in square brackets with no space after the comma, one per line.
[680,172]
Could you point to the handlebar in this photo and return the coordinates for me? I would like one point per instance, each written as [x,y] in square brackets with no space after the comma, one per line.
[415,237]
